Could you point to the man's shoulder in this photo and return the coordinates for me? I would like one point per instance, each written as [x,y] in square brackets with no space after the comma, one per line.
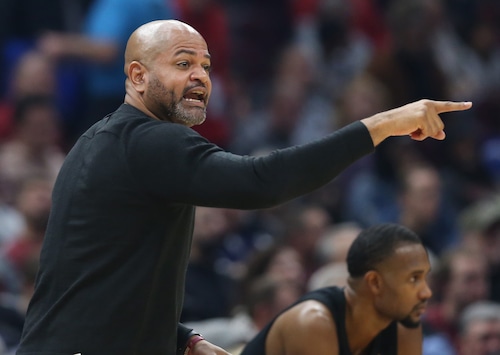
[307,314]
[326,295]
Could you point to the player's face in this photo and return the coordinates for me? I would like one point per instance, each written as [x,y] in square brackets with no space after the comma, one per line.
[405,290]
[179,82]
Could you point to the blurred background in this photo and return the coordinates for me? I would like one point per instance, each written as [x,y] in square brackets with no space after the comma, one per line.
[285,72]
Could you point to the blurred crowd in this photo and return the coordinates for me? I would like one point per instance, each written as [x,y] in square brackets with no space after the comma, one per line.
[285,72]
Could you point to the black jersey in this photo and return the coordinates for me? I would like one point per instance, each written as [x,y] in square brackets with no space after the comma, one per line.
[334,299]
[114,258]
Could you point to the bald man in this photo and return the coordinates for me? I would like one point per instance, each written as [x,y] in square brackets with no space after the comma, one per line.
[114,258]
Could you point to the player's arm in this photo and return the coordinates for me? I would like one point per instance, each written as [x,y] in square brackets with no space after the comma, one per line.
[305,329]
[409,340]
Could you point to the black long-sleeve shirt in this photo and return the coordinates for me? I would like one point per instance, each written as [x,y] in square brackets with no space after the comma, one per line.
[114,258]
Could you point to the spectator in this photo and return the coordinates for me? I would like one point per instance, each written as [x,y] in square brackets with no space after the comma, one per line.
[279,261]
[466,174]
[480,223]
[265,298]
[480,329]
[33,202]
[331,274]
[293,113]
[337,50]
[335,242]
[100,45]
[34,149]
[408,68]
[461,279]
[13,305]
[424,207]
[371,196]
[331,253]
[260,29]
[22,21]
[304,226]
[33,75]
[364,96]
[20,258]
[11,223]
[209,291]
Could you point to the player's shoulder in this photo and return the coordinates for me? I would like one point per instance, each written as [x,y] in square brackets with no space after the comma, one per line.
[308,322]
[308,315]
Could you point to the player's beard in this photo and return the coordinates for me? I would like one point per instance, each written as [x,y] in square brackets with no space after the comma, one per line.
[408,322]
[170,108]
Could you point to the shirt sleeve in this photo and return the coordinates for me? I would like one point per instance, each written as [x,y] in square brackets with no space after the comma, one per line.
[178,164]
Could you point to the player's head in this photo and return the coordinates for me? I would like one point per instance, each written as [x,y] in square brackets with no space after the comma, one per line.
[392,262]
[167,65]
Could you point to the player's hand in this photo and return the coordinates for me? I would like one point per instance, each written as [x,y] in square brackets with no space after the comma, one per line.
[419,120]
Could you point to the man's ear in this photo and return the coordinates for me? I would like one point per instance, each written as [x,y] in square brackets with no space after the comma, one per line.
[374,282]
[137,74]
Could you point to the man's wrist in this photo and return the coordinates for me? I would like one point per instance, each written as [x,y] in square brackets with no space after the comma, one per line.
[195,339]
[184,335]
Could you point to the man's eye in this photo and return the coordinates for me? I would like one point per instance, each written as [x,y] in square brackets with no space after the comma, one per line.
[183,64]
[208,68]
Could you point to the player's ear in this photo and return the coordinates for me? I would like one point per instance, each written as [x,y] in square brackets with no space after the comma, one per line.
[373,281]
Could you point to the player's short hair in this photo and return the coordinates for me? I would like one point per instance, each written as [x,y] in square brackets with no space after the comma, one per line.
[375,244]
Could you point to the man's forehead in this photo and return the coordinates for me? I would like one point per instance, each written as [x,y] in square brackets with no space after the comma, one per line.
[408,256]
[179,45]
[190,51]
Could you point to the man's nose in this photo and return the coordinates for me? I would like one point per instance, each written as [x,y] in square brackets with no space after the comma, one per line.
[425,292]
[200,74]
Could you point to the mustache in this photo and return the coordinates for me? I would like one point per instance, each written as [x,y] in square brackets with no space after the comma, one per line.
[422,304]
[198,85]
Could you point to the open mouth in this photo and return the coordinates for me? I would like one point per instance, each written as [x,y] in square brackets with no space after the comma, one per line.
[195,96]
[421,308]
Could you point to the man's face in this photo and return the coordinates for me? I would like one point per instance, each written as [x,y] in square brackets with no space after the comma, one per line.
[468,280]
[34,202]
[40,127]
[482,337]
[179,84]
[405,291]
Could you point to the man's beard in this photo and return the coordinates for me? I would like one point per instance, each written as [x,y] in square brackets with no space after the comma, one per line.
[408,322]
[170,109]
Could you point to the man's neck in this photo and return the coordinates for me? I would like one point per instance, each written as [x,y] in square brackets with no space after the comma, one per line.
[363,323]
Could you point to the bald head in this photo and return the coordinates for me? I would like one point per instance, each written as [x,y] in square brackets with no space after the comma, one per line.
[167,65]
[147,41]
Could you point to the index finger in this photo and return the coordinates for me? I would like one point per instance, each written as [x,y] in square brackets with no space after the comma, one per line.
[450,106]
